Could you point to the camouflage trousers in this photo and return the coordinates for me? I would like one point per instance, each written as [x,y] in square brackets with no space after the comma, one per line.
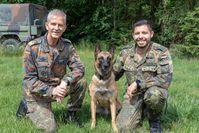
[40,112]
[151,102]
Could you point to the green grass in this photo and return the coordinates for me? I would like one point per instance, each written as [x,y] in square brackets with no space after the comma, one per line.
[182,115]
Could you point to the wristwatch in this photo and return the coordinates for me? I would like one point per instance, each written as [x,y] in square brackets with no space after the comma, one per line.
[68,83]
[138,82]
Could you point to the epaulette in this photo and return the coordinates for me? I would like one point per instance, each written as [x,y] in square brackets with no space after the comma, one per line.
[128,46]
[126,49]
[66,40]
[159,47]
[34,42]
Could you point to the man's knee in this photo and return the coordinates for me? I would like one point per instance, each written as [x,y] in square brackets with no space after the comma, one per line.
[41,116]
[47,125]
[155,98]
[51,128]
[79,86]
[130,116]
[82,84]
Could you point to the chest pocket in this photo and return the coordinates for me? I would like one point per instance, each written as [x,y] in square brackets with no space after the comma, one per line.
[43,68]
[130,69]
[130,73]
[59,68]
[149,71]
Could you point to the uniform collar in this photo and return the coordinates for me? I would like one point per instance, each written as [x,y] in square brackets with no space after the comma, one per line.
[148,49]
[60,44]
[132,50]
[145,56]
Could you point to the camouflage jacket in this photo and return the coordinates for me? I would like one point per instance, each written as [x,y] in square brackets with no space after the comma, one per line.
[155,68]
[44,69]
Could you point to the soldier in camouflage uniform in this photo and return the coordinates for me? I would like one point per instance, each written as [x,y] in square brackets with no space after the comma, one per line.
[148,69]
[45,78]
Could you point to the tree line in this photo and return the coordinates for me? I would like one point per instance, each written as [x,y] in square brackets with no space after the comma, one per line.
[174,22]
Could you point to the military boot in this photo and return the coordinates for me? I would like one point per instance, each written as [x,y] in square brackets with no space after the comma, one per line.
[22,109]
[155,125]
[71,117]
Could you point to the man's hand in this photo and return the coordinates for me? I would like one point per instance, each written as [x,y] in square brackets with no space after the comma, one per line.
[60,91]
[63,85]
[132,89]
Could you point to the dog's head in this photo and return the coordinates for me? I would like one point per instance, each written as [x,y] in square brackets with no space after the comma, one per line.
[103,60]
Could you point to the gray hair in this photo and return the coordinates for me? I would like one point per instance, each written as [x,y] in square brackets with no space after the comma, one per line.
[56,12]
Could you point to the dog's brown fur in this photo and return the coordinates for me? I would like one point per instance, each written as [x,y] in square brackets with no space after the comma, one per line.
[102,89]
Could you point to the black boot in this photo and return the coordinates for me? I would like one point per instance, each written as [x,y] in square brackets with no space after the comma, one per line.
[71,116]
[22,109]
[155,125]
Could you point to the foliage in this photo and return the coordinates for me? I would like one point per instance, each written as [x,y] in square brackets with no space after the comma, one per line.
[185,50]
[120,37]
[190,35]
[100,24]
[170,14]
[174,21]
[190,27]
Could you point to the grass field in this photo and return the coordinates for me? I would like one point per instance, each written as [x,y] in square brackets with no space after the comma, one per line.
[182,115]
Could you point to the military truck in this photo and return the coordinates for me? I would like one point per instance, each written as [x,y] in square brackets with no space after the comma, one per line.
[20,23]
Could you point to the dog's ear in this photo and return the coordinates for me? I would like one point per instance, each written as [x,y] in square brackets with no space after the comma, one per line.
[97,50]
[111,50]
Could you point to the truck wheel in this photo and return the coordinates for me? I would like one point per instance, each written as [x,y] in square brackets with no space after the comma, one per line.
[10,43]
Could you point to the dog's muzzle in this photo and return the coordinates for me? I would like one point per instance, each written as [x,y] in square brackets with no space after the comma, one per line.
[104,66]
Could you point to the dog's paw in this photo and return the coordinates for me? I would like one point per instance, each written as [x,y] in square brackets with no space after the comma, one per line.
[92,125]
[115,129]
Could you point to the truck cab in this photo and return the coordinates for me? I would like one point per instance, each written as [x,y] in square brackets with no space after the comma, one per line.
[20,23]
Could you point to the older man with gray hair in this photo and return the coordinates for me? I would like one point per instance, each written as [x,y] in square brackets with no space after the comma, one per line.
[45,76]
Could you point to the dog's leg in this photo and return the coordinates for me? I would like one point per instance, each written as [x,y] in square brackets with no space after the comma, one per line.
[113,115]
[93,113]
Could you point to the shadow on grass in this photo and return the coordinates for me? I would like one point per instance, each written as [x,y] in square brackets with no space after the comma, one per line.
[58,113]
[171,116]
[84,114]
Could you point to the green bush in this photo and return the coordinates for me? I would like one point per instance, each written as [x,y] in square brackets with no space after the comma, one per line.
[185,50]
[120,37]
[189,27]
[100,25]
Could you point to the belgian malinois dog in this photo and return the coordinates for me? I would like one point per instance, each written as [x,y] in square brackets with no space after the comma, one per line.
[102,89]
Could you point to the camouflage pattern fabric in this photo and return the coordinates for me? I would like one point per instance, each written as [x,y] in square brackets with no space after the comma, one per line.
[131,114]
[155,100]
[40,113]
[76,93]
[155,68]
[154,72]
[44,68]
